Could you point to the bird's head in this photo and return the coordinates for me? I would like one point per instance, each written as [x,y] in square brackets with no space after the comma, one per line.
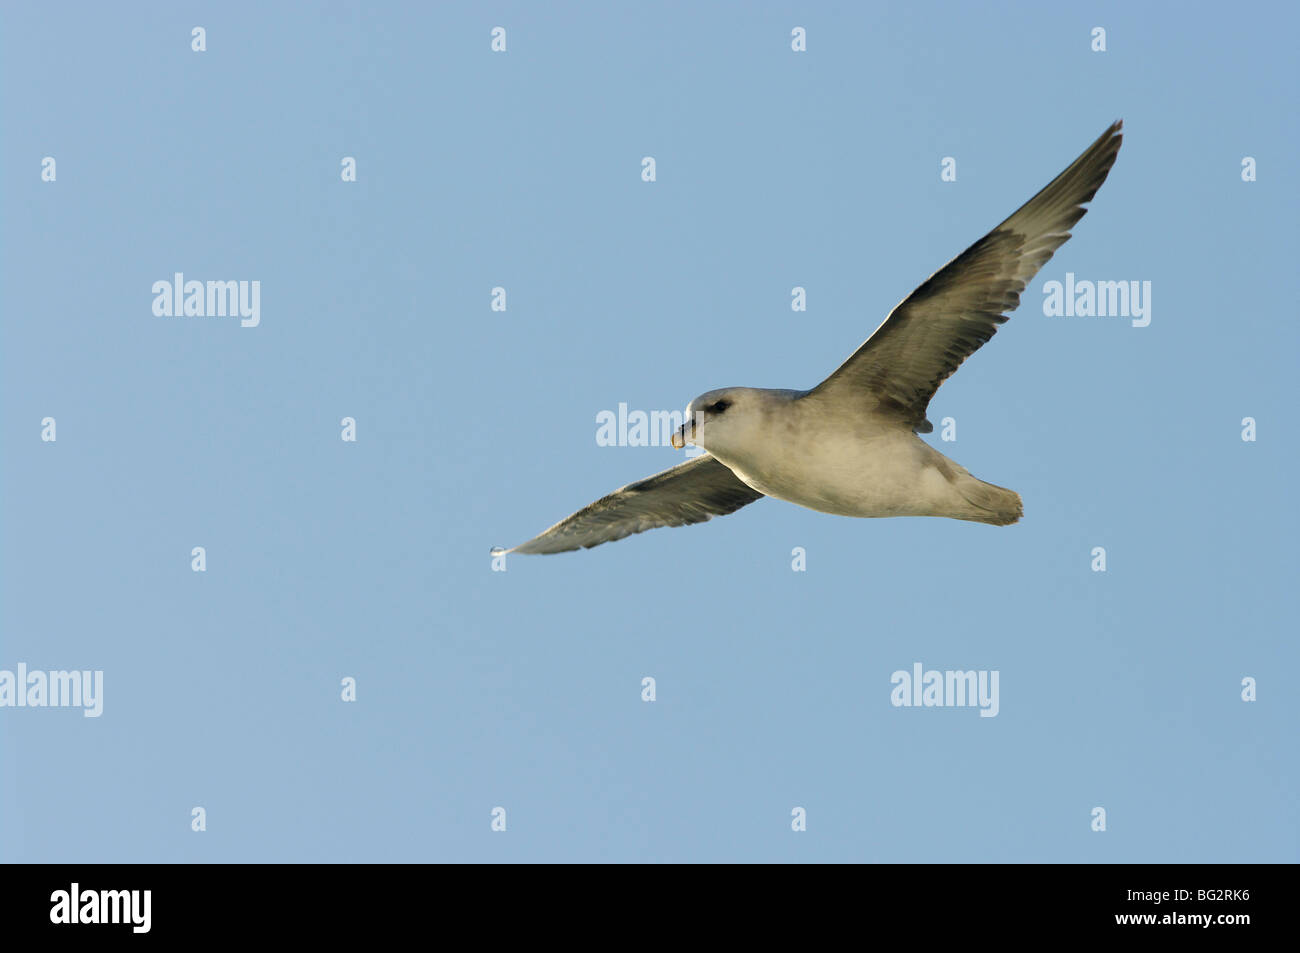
[723,418]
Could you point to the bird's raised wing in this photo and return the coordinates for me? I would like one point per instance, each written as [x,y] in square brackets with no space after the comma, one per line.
[959,307]
[690,492]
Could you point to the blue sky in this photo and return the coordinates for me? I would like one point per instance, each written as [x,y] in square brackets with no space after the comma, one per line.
[522,689]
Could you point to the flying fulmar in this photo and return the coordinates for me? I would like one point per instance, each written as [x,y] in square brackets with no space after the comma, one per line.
[849,446]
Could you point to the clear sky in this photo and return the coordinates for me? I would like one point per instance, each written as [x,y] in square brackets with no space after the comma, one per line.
[774,169]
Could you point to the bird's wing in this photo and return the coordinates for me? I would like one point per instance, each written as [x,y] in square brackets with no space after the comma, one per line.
[690,492]
[959,307]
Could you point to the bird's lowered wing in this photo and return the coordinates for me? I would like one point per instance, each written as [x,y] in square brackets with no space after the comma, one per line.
[690,492]
[959,307]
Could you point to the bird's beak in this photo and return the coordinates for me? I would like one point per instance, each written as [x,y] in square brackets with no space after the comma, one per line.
[679,438]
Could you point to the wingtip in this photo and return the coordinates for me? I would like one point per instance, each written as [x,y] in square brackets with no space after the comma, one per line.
[497,551]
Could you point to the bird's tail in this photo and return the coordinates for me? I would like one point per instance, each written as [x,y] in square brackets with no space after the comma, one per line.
[990,504]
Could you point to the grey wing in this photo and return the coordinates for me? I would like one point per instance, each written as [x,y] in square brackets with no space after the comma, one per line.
[690,492]
[926,338]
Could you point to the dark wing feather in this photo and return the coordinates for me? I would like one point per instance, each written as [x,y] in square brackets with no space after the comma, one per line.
[960,306]
[690,492]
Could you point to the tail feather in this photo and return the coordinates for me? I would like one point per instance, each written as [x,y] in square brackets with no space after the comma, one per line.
[993,504]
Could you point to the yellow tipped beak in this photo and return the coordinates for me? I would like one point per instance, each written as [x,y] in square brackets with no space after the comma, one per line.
[679,438]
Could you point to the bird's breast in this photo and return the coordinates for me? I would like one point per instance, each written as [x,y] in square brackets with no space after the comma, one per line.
[843,470]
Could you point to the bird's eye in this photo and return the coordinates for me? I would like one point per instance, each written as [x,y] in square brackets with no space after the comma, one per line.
[719,406]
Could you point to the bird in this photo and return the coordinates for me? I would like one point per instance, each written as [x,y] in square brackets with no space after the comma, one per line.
[850,445]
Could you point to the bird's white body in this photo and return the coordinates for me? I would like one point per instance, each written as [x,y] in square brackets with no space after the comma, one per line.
[880,475]
[844,461]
